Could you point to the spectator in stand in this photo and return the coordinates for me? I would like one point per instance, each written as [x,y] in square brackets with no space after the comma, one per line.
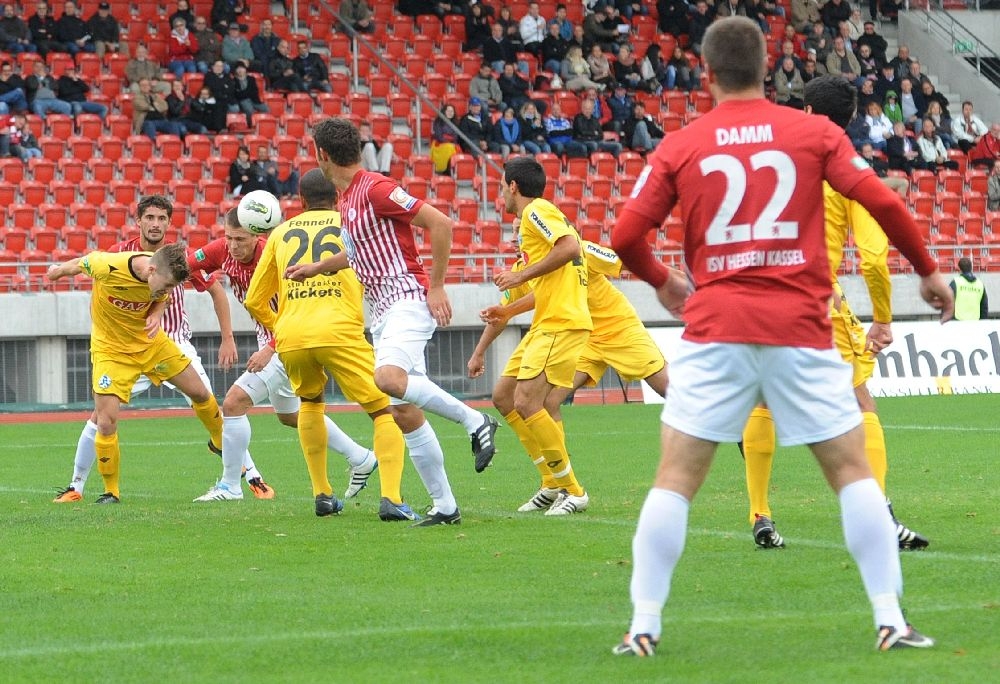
[987,150]
[731,8]
[842,62]
[476,125]
[478,29]
[631,8]
[15,37]
[207,111]
[209,46]
[595,29]
[834,12]
[498,50]
[534,137]
[580,40]
[245,175]
[184,12]
[873,40]
[565,25]
[281,73]
[559,131]
[72,31]
[587,131]
[511,28]
[867,94]
[901,62]
[620,105]
[810,68]
[283,189]
[358,15]
[805,13]
[844,31]
[916,75]
[376,155]
[993,189]
[312,69]
[600,67]
[627,70]
[655,73]
[181,49]
[932,150]
[246,95]
[236,48]
[942,123]
[700,21]
[553,49]
[912,104]
[507,133]
[789,87]
[513,87]
[140,67]
[179,110]
[891,107]
[756,11]
[641,132]
[149,112]
[575,72]
[674,17]
[42,27]
[855,25]
[226,12]
[23,143]
[42,90]
[532,28]
[444,139]
[879,126]
[105,31]
[264,46]
[968,128]
[931,94]
[871,67]
[787,50]
[971,301]
[818,40]
[886,81]
[75,90]
[220,85]
[680,72]
[484,87]
[13,89]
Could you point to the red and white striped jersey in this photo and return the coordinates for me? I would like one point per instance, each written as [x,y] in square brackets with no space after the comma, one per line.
[175,320]
[214,257]
[376,214]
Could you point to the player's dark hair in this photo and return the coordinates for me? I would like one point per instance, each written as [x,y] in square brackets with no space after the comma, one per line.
[527,173]
[172,259]
[734,49]
[832,96]
[965,265]
[339,138]
[232,218]
[157,201]
[316,191]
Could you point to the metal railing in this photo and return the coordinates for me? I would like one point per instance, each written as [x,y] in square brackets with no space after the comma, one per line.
[947,27]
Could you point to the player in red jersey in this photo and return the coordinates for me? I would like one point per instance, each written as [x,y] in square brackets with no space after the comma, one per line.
[406,304]
[748,176]
[265,379]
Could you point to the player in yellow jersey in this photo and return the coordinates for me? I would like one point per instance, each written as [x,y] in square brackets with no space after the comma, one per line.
[130,291]
[547,356]
[834,98]
[319,328]
[618,340]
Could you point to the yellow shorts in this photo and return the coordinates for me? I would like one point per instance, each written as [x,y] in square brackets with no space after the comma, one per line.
[554,353]
[116,374]
[352,366]
[850,338]
[632,353]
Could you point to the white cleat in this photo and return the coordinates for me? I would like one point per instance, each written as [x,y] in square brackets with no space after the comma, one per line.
[568,504]
[360,475]
[541,501]
[220,492]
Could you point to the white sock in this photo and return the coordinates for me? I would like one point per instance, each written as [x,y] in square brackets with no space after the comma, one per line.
[86,456]
[871,539]
[339,441]
[428,459]
[656,548]
[235,440]
[420,391]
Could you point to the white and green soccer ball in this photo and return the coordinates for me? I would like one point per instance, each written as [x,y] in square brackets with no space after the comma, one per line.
[259,211]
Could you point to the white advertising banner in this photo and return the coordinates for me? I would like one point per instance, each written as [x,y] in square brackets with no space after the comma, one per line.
[959,357]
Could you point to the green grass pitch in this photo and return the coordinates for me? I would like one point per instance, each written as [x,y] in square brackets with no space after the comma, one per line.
[161,589]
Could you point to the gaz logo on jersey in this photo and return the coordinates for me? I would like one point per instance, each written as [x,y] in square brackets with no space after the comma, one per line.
[104,382]
[402,198]
[126,305]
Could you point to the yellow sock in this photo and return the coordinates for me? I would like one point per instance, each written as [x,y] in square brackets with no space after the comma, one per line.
[516,423]
[875,447]
[550,443]
[389,449]
[312,438]
[108,460]
[758,452]
[211,417]
[562,430]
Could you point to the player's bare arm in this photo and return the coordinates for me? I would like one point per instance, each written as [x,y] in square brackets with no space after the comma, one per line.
[936,292]
[327,266]
[477,361]
[879,336]
[154,317]
[260,358]
[673,294]
[65,269]
[503,313]
[227,348]
[439,227]
[565,249]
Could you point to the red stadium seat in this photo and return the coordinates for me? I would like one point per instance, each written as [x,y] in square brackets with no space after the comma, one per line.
[183,191]
[294,125]
[33,192]
[191,169]
[14,240]
[213,190]
[12,170]
[124,191]
[169,147]
[93,191]
[300,103]
[44,170]
[63,192]
[226,146]
[102,170]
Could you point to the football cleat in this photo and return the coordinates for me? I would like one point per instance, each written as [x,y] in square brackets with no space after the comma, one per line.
[220,492]
[67,495]
[260,489]
[908,539]
[327,504]
[360,475]
[541,501]
[891,638]
[764,534]
[483,446]
[107,498]
[435,517]
[214,449]
[568,504]
[642,645]
[390,511]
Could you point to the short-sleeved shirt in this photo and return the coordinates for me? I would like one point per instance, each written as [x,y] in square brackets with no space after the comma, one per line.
[119,303]
[380,245]
[560,295]
[318,312]
[758,259]
[610,309]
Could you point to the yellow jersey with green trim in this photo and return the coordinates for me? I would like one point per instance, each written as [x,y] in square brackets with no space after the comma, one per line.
[561,295]
[844,216]
[610,310]
[515,293]
[119,303]
[318,312]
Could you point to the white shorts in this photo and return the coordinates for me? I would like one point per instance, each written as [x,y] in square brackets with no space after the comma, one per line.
[400,338]
[270,382]
[144,383]
[713,387]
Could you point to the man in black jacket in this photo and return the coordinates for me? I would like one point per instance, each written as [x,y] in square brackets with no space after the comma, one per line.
[72,31]
[641,132]
[587,130]
[43,31]
[75,90]
[281,73]
[104,30]
[498,50]
[246,95]
[477,126]
[312,70]
[220,84]
[513,87]
[16,38]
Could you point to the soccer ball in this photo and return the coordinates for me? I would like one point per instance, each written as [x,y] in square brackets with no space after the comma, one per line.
[259,211]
